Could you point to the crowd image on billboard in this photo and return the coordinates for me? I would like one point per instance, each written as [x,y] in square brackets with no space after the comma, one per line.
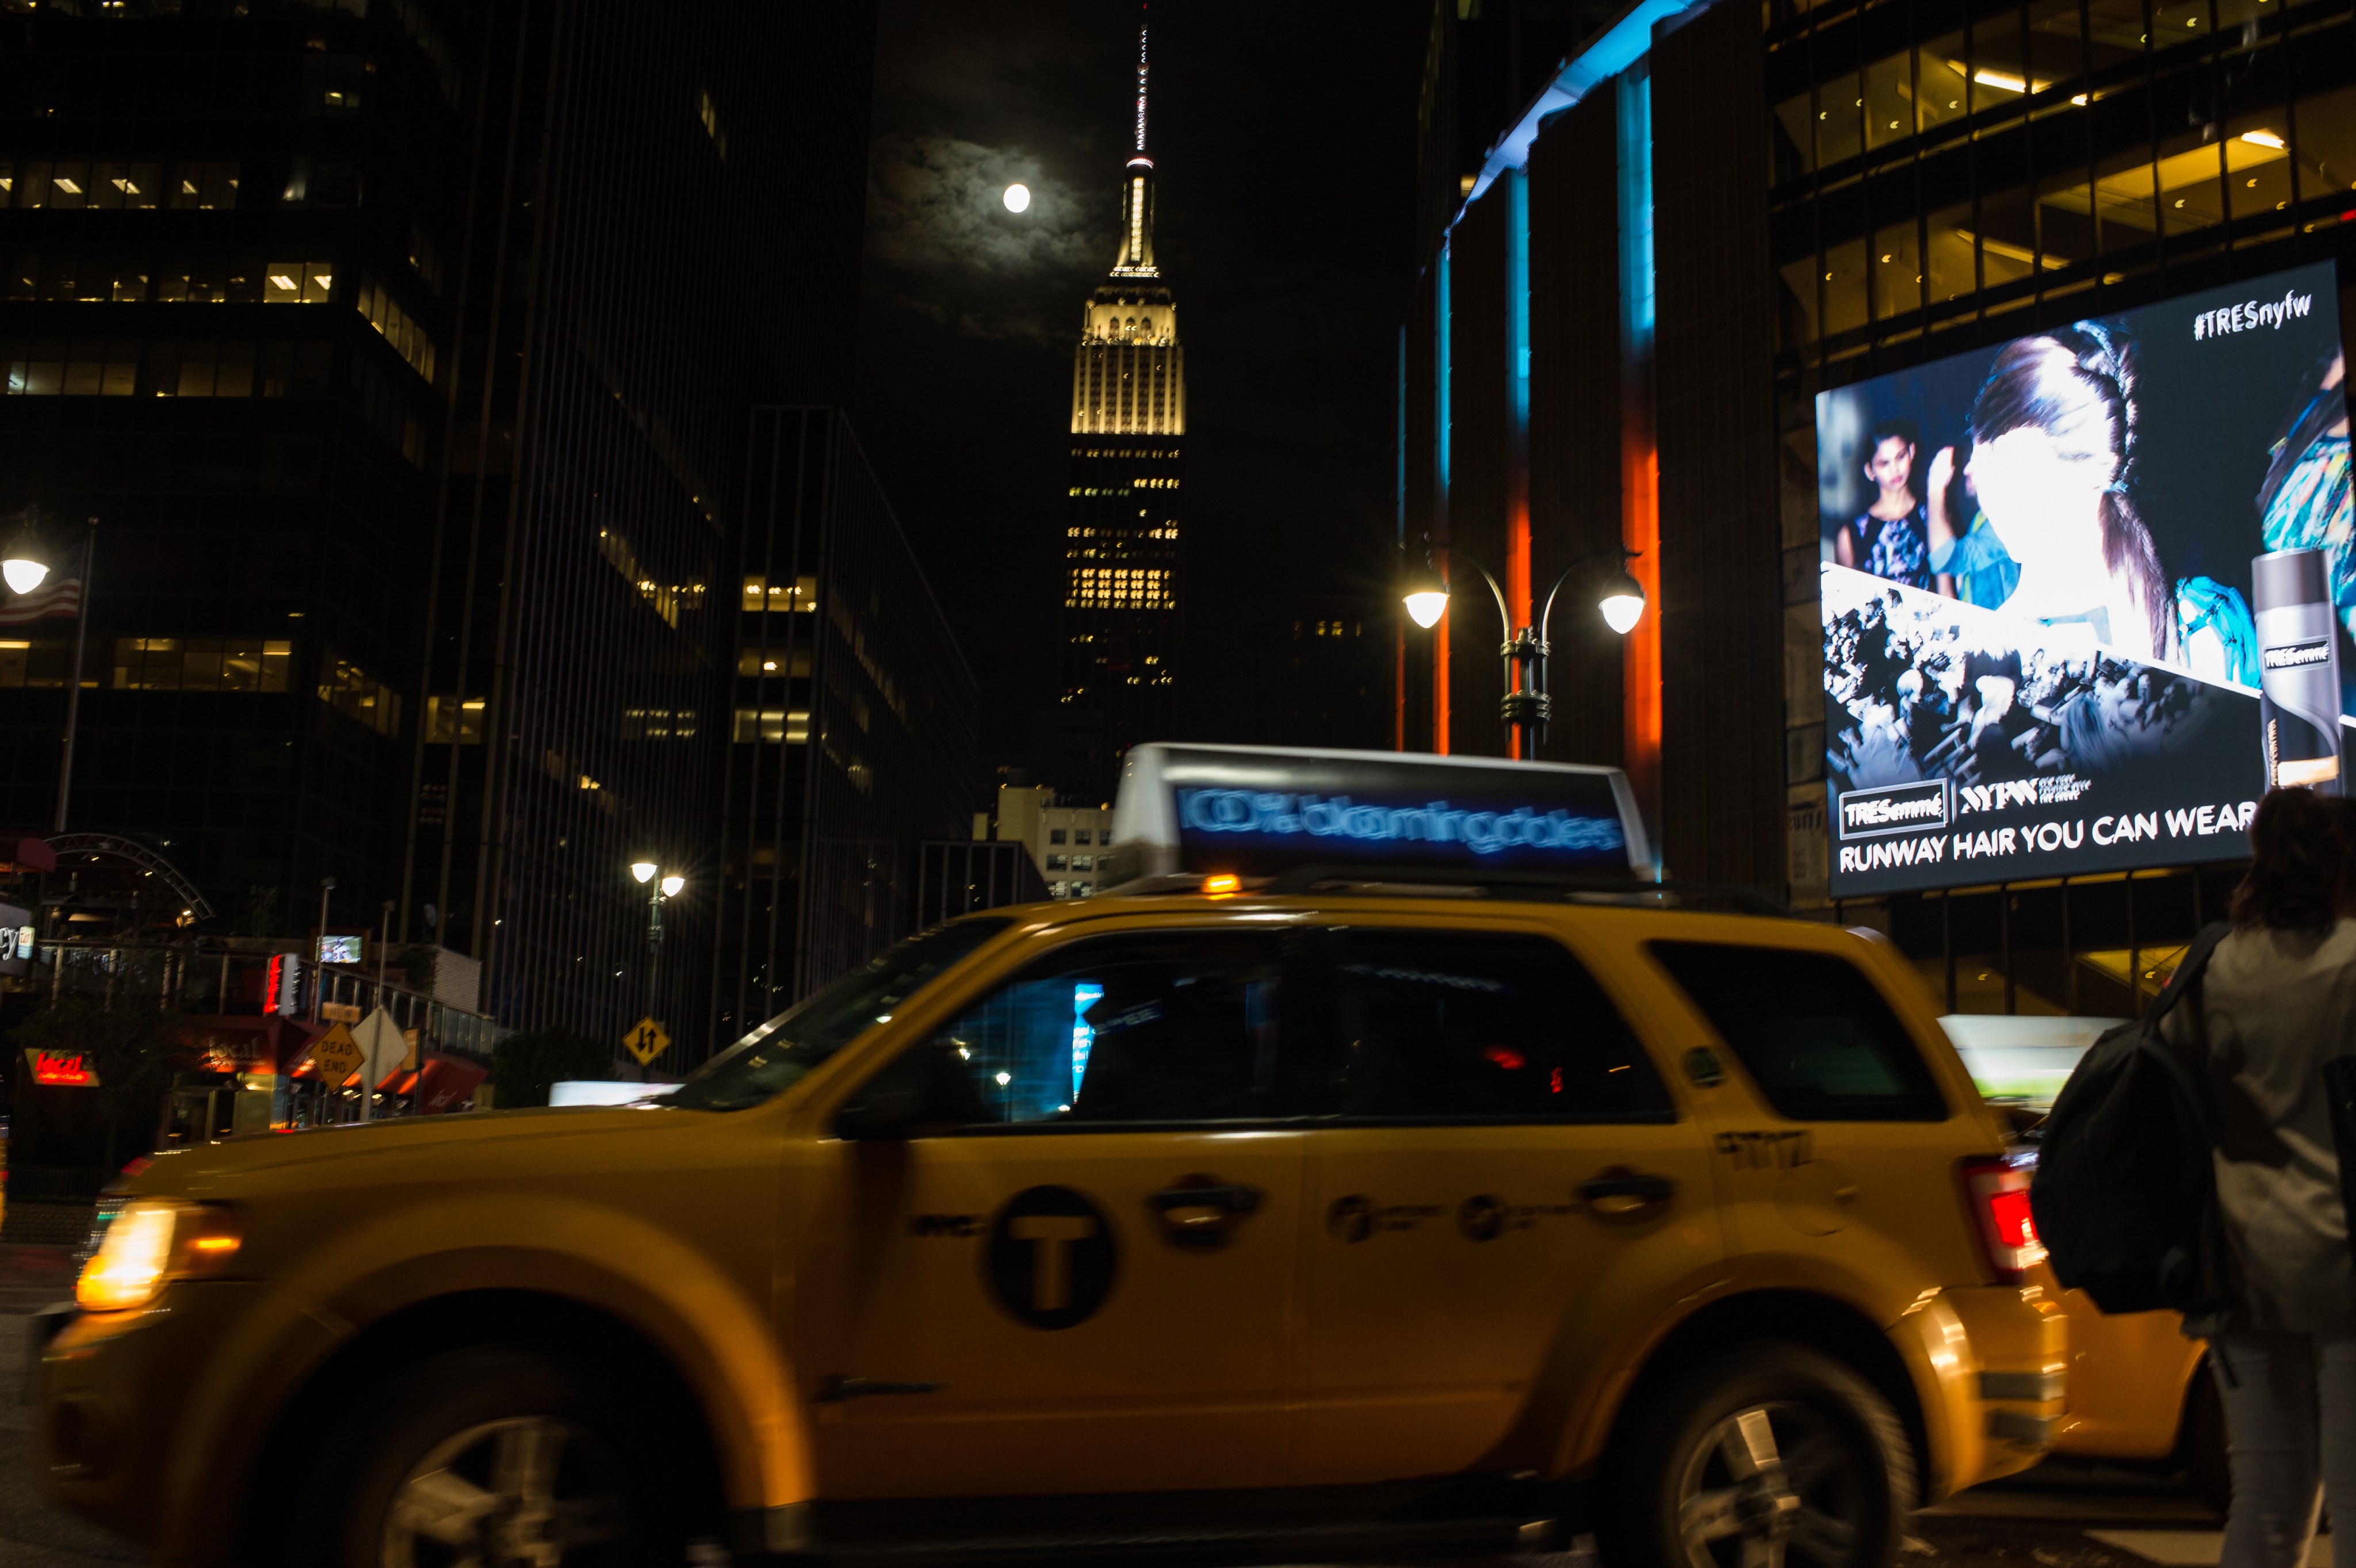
[2099,575]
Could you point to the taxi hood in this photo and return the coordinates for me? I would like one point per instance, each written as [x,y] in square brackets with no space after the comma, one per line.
[458,1147]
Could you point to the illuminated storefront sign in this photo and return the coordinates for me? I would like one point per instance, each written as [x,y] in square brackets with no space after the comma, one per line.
[2086,595]
[58,1069]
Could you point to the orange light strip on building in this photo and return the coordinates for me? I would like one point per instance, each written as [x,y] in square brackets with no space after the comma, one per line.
[1440,663]
[1641,667]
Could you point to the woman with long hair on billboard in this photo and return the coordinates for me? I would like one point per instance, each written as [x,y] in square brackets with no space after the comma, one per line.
[2052,464]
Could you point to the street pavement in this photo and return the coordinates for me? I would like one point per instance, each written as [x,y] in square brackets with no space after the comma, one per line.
[2059,1515]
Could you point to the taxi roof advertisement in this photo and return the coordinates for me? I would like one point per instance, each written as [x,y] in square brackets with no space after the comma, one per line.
[1262,809]
[2087,593]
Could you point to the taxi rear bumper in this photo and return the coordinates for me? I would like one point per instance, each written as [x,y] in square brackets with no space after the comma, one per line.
[1992,1363]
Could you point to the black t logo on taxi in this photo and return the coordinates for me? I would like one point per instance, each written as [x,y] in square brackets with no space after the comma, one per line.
[1052,1257]
[1481,1216]
[1351,1218]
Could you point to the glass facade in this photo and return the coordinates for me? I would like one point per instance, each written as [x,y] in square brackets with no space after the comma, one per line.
[1936,165]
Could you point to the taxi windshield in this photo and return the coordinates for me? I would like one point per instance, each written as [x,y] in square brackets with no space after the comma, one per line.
[781,1052]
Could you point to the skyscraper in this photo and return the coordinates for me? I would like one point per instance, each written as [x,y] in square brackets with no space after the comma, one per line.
[1121,581]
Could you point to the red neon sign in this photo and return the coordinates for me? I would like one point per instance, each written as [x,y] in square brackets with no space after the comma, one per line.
[58,1070]
[270,987]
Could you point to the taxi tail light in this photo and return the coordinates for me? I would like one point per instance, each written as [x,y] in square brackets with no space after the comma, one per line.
[1996,1190]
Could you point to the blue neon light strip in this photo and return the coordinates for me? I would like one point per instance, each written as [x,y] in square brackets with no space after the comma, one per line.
[1636,208]
[1620,46]
[1447,351]
[1517,294]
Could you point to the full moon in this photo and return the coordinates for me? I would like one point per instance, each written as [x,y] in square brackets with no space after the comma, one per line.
[1018,197]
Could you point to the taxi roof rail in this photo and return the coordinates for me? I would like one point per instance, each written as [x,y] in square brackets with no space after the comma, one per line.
[1479,882]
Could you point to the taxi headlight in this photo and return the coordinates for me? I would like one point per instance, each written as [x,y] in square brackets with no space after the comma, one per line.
[150,1243]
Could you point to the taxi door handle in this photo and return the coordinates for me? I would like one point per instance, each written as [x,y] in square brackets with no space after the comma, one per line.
[1201,1215]
[1225,1199]
[1621,1192]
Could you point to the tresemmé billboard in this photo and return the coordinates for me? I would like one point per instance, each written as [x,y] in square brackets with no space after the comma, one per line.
[2087,593]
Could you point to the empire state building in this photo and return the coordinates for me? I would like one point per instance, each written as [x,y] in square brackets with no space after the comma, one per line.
[1121,585]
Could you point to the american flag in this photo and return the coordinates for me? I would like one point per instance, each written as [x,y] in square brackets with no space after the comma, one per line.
[62,597]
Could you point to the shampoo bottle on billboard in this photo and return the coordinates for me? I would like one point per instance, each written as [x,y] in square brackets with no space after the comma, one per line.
[2299,660]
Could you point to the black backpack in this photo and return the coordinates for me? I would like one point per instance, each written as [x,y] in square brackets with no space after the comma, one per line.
[2126,1192]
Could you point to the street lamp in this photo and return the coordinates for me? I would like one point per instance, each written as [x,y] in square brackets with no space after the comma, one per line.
[25,566]
[661,889]
[1526,706]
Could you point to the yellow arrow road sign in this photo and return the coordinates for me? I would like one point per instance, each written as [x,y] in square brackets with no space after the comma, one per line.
[646,1040]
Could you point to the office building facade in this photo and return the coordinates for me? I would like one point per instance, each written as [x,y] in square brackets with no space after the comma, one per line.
[1636,283]
[1121,549]
[1715,265]
[851,731]
[426,581]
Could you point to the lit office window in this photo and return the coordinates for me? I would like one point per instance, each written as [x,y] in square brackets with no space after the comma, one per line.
[762,593]
[298,282]
[200,664]
[454,720]
[355,694]
[771,725]
[755,659]
[402,330]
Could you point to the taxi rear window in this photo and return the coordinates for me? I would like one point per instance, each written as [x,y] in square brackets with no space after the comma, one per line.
[1811,1028]
[781,1052]
[1470,1026]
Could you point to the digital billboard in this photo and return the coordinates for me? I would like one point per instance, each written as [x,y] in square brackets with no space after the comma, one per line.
[2088,593]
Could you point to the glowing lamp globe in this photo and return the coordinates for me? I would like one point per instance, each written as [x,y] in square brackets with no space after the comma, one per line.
[22,575]
[644,870]
[1622,603]
[1426,598]
[671,885]
[1018,198]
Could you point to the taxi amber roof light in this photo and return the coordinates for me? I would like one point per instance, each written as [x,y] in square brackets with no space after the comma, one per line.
[1223,885]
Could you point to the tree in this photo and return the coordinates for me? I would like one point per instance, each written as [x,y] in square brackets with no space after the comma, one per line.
[131,1046]
[526,1065]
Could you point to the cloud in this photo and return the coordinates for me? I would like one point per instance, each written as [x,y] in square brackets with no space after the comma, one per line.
[935,209]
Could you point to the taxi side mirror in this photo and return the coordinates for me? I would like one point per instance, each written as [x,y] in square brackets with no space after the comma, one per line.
[926,1088]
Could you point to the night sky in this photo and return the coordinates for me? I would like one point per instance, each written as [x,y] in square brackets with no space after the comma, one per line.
[1283,135]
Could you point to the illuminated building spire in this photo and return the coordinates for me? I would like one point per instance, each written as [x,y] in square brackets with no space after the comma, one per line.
[1136,258]
[1141,86]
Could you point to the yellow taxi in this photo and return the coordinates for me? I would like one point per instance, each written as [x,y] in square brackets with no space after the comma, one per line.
[2140,1393]
[1323,1220]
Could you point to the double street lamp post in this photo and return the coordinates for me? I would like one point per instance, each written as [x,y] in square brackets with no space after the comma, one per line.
[658,889]
[1526,705]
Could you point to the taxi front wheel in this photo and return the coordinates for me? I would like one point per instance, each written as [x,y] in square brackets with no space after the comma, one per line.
[1774,1455]
[491,1457]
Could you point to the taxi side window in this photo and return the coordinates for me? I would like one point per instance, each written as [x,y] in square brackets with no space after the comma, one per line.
[1152,1027]
[1458,1025]
[1811,1028]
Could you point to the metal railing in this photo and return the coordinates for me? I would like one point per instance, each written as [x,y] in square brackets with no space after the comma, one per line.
[230,979]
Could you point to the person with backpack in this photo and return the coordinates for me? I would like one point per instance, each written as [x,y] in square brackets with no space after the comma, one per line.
[2275,1003]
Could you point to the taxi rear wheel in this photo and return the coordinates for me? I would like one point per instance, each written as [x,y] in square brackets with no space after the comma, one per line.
[1773,1456]
[491,1457]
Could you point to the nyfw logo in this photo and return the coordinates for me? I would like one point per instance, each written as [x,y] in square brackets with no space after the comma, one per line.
[2251,314]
